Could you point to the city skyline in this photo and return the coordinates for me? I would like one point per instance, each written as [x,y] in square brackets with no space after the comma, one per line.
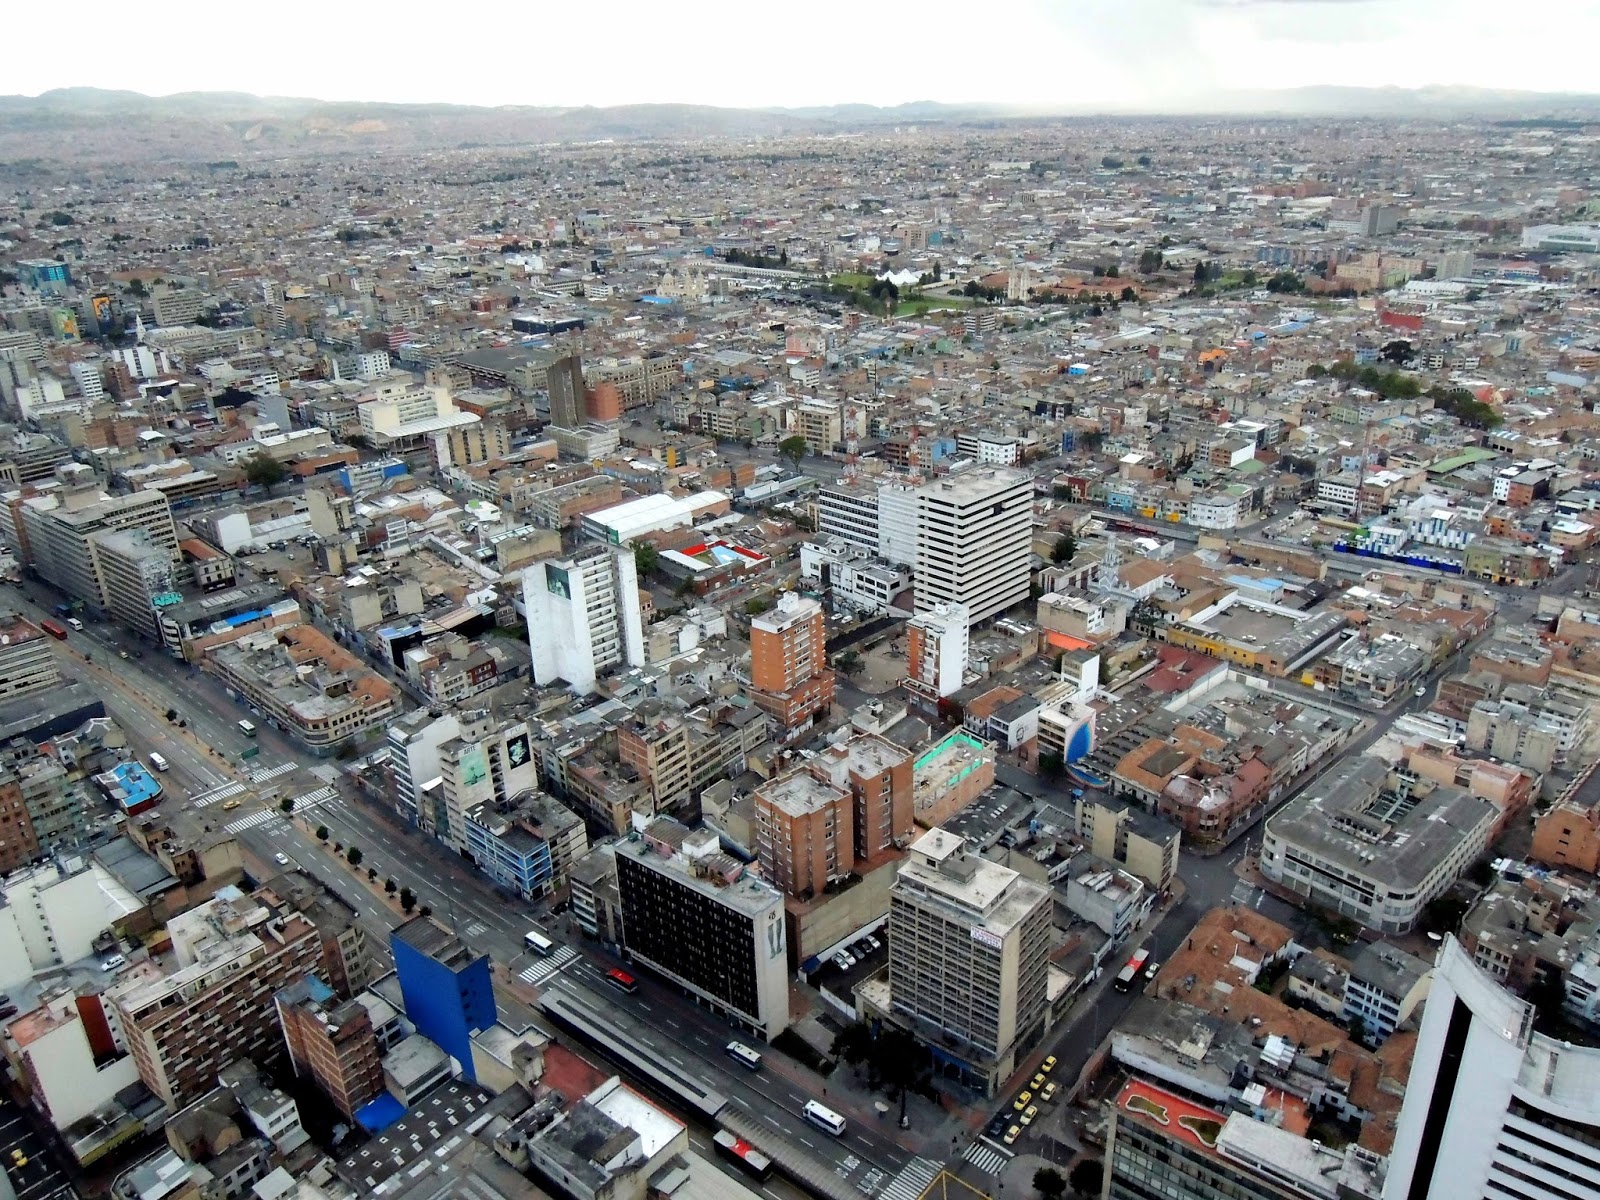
[1163,55]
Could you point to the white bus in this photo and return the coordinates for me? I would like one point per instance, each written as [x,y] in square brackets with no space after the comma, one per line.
[247,729]
[824,1118]
[743,1055]
[537,941]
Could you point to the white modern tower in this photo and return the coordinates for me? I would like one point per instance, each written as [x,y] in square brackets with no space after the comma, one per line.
[583,616]
[974,537]
[1493,1110]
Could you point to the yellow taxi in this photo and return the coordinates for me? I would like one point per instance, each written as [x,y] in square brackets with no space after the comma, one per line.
[1022,1101]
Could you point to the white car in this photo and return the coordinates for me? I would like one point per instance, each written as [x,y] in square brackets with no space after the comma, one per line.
[283,859]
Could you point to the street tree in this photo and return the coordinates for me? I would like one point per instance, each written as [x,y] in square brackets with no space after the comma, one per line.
[793,448]
[1048,1182]
[1088,1177]
[262,470]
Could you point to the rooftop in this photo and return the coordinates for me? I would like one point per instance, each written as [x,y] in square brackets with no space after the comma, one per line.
[800,793]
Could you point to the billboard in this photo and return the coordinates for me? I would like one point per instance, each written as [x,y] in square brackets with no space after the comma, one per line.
[557,583]
[474,767]
[517,749]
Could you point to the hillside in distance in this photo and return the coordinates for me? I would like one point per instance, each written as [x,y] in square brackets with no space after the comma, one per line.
[92,124]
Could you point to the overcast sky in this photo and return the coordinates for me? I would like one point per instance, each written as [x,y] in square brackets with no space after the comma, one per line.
[1065,54]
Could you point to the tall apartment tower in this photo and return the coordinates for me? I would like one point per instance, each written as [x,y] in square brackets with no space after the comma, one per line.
[789,676]
[232,955]
[695,915]
[135,573]
[937,644]
[969,945]
[564,381]
[446,987]
[878,775]
[58,531]
[333,1042]
[1493,1109]
[583,616]
[805,836]
[974,533]
[27,664]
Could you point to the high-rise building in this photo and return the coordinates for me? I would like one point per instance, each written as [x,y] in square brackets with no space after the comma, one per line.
[491,761]
[414,739]
[693,914]
[789,675]
[1493,1110]
[232,955]
[446,986]
[974,538]
[564,380]
[332,1041]
[969,945]
[880,518]
[135,573]
[57,809]
[878,775]
[59,529]
[850,512]
[804,833]
[27,663]
[176,306]
[583,616]
[937,644]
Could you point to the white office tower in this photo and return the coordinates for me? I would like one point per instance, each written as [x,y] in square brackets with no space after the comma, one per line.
[583,616]
[1492,1109]
[974,535]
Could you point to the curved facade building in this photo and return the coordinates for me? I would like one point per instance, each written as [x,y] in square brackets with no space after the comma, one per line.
[1493,1110]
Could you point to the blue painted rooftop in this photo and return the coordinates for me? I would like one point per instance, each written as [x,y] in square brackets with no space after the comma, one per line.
[138,785]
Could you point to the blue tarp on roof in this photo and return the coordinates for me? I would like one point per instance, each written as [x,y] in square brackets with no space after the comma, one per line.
[379,1114]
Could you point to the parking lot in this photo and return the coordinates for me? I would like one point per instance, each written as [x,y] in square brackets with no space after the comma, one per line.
[34,1175]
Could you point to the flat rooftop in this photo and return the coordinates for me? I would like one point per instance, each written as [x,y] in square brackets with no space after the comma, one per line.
[800,793]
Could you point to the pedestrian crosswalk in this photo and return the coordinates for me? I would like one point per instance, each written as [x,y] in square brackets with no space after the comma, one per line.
[986,1158]
[263,817]
[546,968]
[913,1179]
[266,774]
[314,799]
[217,794]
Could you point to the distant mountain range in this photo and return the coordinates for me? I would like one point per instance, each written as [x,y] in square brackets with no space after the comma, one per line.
[112,125]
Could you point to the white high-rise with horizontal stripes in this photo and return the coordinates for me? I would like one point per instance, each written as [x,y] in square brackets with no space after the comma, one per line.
[1493,1110]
